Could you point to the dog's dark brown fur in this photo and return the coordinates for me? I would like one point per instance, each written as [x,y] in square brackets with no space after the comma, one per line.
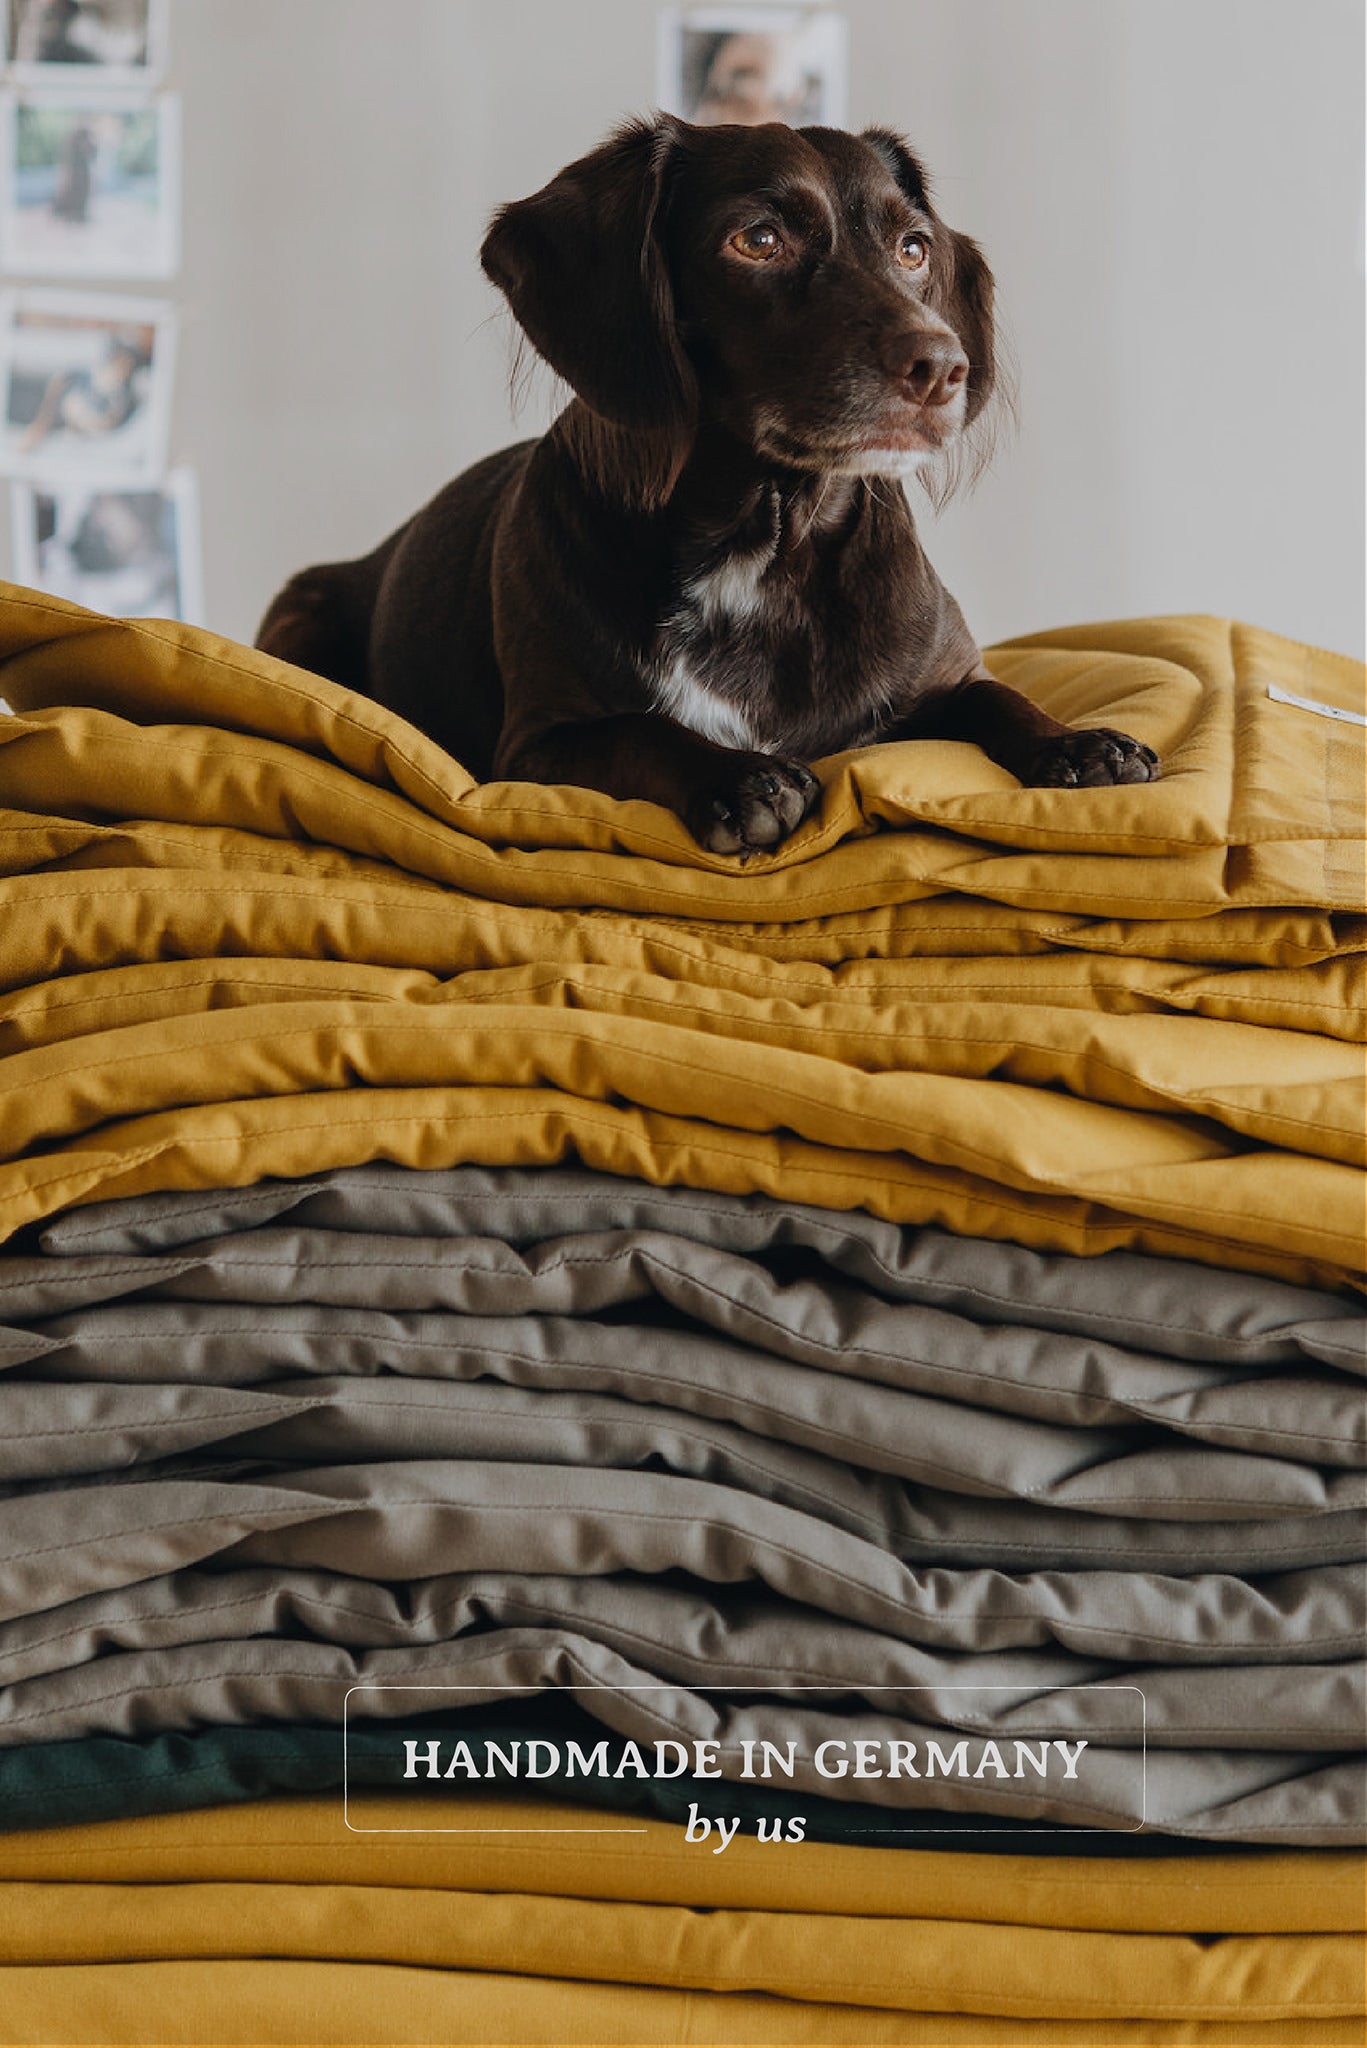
[706,574]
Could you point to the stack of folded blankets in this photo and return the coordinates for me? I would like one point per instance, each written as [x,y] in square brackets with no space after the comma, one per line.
[491,1293]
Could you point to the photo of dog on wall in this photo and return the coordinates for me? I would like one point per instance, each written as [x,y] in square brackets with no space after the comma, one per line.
[85,385]
[89,187]
[753,64]
[131,553]
[98,41]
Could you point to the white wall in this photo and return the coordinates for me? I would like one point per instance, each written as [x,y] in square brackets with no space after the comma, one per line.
[1169,191]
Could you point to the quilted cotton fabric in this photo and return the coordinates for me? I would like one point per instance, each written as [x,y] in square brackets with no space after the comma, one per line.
[720,1469]
[290,2004]
[713,1463]
[300,937]
[924,1947]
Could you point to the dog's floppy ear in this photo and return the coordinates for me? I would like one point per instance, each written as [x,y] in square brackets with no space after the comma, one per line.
[961,288]
[582,265]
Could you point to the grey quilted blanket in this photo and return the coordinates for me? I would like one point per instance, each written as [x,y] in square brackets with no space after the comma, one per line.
[722,1469]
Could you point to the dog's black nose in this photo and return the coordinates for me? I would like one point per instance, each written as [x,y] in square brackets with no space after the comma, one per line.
[929,370]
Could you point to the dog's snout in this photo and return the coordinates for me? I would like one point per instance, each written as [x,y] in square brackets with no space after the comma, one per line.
[930,370]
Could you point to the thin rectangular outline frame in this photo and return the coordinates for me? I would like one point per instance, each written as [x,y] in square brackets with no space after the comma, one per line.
[662,1685]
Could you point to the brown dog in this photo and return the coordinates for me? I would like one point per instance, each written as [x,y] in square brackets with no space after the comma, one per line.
[697,581]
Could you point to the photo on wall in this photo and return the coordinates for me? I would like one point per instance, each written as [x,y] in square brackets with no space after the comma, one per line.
[752,64]
[133,553]
[85,385]
[95,42]
[89,187]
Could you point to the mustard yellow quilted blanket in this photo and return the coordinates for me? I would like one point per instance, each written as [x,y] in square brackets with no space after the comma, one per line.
[253,926]
[274,1924]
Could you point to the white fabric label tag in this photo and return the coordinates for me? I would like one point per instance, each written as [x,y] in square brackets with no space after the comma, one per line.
[1281,696]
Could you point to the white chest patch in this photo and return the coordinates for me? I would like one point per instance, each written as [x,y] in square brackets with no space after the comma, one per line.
[683,698]
[716,599]
[730,591]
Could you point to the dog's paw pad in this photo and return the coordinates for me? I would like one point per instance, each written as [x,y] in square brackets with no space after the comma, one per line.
[1092,759]
[755,807]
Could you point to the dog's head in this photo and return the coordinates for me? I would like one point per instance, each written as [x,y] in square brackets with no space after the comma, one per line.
[793,285]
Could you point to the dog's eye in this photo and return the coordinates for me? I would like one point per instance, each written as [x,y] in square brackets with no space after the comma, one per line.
[759,244]
[913,252]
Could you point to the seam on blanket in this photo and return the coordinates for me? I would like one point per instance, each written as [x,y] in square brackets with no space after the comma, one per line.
[236,871]
[481,855]
[641,922]
[530,1609]
[634,1423]
[189,1262]
[150,1425]
[121,1265]
[654,1376]
[835,989]
[1207,1102]
[1067,938]
[226,1198]
[61,1783]
[684,1201]
[187,1522]
[804,1489]
[1069,935]
[928,890]
[827,835]
[566,1652]
[312,697]
[9,1011]
[548,1021]
[336,1507]
[673,1007]
[378,738]
[677,1199]
[583,1109]
[782,1549]
[380,1845]
[243,749]
[12,1010]
[294,1594]
[677,1428]
[535,1611]
[238,868]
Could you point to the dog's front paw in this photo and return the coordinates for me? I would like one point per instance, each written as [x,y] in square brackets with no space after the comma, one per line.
[1090,759]
[754,805]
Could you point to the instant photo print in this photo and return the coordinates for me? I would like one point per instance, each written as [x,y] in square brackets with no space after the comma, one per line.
[95,43]
[751,64]
[131,552]
[85,385]
[89,186]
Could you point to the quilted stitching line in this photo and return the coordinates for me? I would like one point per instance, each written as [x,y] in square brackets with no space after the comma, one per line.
[655,1377]
[586,1112]
[1212,1105]
[549,1022]
[518,1605]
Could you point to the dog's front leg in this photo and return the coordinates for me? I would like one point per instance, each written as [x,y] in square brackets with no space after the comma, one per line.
[1026,741]
[731,802]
